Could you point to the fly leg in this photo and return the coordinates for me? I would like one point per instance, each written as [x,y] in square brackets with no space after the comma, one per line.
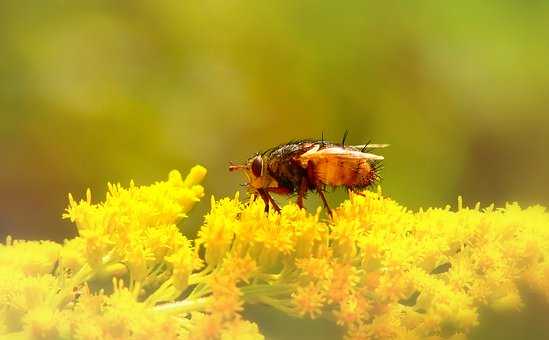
[301,193]
[275,206]
[312,178]
[267,198]
[321,194]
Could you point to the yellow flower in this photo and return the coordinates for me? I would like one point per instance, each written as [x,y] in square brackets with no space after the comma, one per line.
[20,293]
[218,230]
[71,254]
[163,240]
[226,297]
[314,268]
[42,323]
[120,228]
[344,279]
[183,262]
[136,227]
[29,257]
[204,327]
[241,330]
[239,268]
[353,308]
[377,269]
[309,300]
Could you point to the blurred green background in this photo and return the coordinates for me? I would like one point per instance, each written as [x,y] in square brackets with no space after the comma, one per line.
[97,91]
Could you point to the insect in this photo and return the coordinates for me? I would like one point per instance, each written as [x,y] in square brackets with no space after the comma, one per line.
[310,165]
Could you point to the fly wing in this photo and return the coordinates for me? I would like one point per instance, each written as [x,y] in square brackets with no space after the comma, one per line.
[369,146]
[336,154]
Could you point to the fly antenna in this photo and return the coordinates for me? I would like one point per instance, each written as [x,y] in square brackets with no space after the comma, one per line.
[235,167]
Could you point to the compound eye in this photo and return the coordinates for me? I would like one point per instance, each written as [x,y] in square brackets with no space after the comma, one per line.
[257,166]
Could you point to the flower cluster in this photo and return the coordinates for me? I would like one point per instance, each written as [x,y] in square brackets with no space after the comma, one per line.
[375,268]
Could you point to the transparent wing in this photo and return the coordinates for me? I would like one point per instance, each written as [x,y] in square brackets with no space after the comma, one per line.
[337,154]
[370,146]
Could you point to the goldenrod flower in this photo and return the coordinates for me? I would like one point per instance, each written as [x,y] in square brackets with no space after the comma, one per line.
[377,269]
[183,261]
[29,257]
[226,297]
[309,300]
[218,230]
[241,330]
[42,323]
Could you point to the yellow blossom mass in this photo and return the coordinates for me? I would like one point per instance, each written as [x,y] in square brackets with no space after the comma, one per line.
[376,269]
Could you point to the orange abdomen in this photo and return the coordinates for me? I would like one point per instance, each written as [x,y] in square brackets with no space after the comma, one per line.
[335,171]
[337,166]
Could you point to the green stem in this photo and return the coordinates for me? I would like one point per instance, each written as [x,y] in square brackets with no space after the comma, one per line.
[199,290]
[184,306]
[277,304]
[262,289]
[197,277]
[160,293]
[136,289]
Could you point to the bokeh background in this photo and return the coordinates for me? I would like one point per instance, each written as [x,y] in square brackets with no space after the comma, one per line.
[97,91]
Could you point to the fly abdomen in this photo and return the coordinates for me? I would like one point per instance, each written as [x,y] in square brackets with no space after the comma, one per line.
[344,172]
[337,166]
